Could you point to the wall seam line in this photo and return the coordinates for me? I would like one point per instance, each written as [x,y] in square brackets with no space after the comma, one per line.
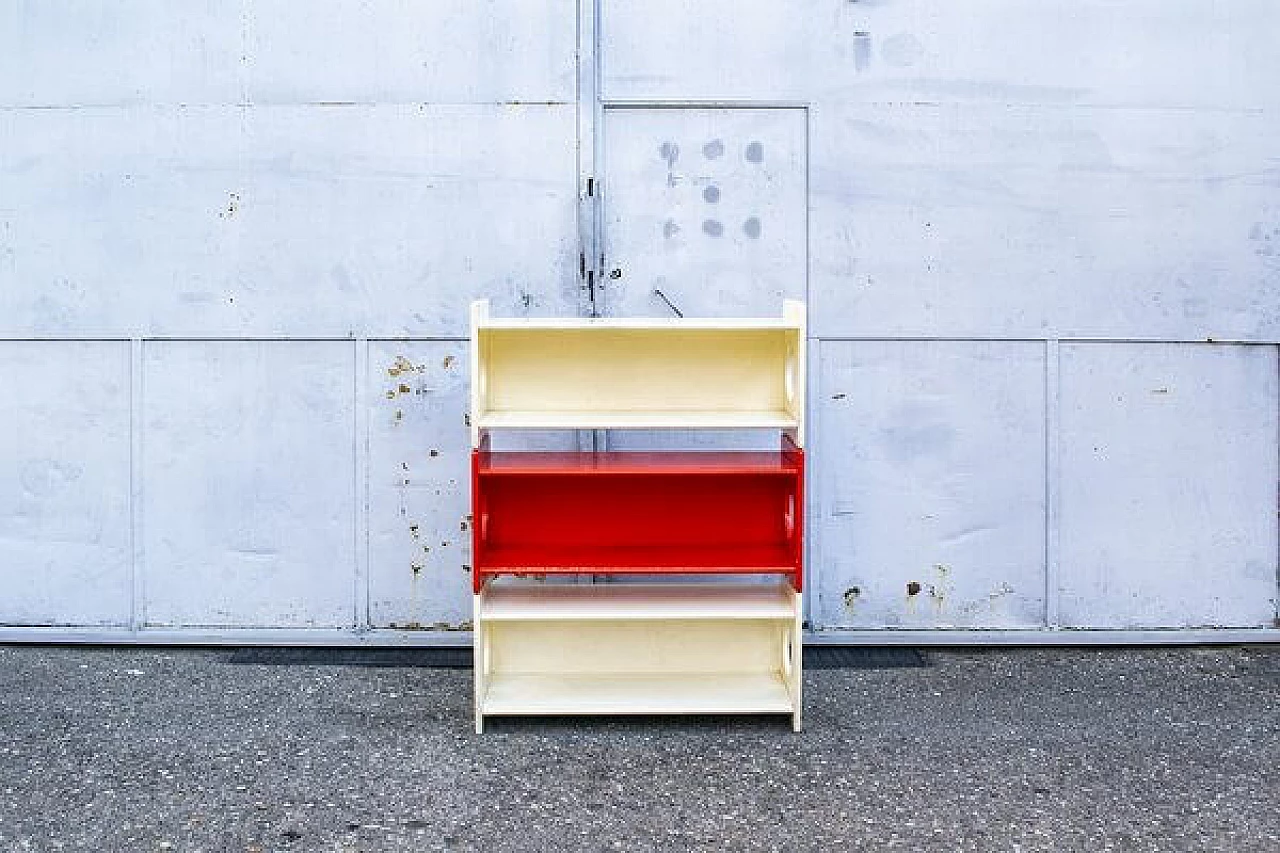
[137,562]
[360,474]
[1052,483]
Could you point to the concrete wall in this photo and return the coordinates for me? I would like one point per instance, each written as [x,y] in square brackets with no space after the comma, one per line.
[1040,244]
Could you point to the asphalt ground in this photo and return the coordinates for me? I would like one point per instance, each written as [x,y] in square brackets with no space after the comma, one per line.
[138,749]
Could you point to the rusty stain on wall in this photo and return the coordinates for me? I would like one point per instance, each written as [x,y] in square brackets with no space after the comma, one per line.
[430,626]
[402,366]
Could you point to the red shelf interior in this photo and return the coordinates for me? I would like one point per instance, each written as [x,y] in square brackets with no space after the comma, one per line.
[601,513]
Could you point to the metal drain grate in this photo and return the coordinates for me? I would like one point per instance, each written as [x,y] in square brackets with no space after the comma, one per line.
[862,657]
[434,658]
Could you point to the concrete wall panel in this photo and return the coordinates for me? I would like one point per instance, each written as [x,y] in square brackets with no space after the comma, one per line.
[248,483]
[66,53]
[1148,53]
[929,485]
[419,485]
[65,546]
[1031,222]
[400,51]
[75,53]
[303,221]
[707,206]
[1169,473]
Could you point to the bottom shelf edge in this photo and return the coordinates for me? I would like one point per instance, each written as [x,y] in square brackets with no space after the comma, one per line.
[610,694]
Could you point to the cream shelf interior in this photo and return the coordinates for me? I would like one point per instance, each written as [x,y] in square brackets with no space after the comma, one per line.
[653,649]
[638,373]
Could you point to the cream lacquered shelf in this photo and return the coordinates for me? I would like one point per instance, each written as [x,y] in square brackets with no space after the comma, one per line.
[666,648]
[638,373]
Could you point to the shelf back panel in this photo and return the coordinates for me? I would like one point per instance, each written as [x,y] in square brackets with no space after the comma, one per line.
[526,371]
[638,511]
[632,648]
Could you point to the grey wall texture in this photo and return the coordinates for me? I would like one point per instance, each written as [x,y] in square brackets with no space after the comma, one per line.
[1040,244]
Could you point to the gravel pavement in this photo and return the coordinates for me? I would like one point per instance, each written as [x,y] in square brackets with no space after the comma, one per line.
[138,749]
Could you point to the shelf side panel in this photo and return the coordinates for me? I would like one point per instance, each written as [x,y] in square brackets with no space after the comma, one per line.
[479,362]
[796,367]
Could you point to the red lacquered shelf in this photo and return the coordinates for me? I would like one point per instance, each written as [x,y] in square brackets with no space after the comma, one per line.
[631,513]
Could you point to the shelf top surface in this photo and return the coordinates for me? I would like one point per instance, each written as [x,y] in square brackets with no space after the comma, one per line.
[506,600]
[639,463]
[659,324]
[646,419]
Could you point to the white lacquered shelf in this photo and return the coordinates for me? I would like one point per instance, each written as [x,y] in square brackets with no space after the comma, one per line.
[652,648]
[637,602]
[682,373]
[677,693]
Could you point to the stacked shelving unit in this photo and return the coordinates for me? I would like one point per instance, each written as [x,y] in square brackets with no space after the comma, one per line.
[670,646]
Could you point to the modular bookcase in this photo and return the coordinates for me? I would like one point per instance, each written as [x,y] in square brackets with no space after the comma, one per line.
[671,642]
